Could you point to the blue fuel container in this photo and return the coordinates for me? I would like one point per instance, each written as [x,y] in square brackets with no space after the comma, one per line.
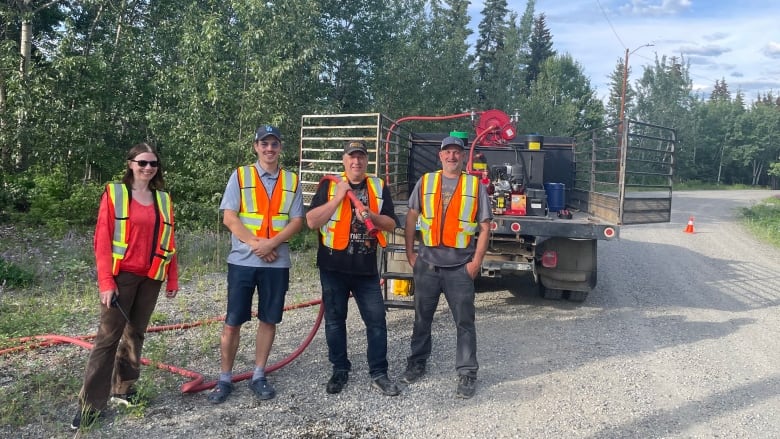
[556,196]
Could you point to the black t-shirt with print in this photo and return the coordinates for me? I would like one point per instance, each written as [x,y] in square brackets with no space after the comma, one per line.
[360,255]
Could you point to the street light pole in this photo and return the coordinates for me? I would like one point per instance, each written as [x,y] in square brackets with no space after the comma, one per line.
[625,81]
[622,132]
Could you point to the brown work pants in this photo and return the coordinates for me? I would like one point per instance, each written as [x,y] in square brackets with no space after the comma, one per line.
[114,363]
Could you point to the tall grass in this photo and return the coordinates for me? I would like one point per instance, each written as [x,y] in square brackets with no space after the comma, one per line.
[763,220]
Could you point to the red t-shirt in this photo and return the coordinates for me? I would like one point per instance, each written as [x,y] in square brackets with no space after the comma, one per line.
[140,232]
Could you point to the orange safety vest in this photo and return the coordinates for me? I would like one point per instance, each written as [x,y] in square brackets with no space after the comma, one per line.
[264,217]
[335,233]
[458,224]
[162,249]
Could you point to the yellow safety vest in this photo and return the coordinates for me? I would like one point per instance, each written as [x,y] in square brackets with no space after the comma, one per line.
[335,233]
[455,226]
[256,208]
[163,248]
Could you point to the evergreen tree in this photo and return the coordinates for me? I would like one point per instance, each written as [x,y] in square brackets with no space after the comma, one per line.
[492,38]
[720,91]
[541,49]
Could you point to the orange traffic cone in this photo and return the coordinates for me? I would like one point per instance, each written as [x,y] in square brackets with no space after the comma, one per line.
[689,227]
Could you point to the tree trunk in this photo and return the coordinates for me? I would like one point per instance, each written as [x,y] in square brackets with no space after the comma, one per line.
[25,52]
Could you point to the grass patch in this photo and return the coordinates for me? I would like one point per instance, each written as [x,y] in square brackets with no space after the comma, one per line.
[763,220]
[694,185]
[12,275]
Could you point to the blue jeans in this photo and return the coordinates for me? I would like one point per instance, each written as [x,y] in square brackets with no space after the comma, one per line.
[458,288]
[336,287]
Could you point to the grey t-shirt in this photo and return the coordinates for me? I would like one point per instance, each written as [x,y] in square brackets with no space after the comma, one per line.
[240,253]
[443,256]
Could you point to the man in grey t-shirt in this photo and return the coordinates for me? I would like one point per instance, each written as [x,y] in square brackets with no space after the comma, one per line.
[451,207]
[263,207]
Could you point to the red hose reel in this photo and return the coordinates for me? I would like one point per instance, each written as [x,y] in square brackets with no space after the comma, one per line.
[496,126]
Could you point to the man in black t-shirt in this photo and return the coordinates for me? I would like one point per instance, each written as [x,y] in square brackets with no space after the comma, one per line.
[347,261]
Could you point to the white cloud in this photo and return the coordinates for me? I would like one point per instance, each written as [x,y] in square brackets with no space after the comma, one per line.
[772,50]
[655,8]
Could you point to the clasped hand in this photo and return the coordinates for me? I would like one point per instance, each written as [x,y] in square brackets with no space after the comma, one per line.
[264,249]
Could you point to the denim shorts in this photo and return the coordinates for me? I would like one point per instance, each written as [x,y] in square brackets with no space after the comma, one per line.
[271,285]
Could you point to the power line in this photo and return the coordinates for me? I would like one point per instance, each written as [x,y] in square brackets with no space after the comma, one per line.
[610,24]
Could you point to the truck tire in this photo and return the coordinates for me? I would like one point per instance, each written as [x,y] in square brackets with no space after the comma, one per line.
[552,293]
[577,296]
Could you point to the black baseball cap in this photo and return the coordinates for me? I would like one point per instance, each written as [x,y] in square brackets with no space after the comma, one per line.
[451,140]
[267,130]
[355,145]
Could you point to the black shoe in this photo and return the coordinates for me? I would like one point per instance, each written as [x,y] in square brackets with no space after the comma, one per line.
[413,372]
[337,381]
[129,399]
[84,417]
[221,391]
[384,385]
[262,388]
[467,385]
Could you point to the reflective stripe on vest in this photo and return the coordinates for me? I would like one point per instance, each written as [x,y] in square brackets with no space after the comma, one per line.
[163,249]
[335,233]
[119,197]
[256,207]
[455,227]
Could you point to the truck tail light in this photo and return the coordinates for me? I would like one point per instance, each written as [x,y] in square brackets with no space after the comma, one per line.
[549,259]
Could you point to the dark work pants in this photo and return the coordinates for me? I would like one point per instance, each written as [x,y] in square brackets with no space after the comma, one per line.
[458,288]
[114,365]
[336,287]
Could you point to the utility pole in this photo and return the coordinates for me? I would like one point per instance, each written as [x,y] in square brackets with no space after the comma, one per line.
[623,134]
[625,82]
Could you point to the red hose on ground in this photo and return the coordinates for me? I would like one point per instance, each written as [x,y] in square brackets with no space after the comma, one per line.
[196,383]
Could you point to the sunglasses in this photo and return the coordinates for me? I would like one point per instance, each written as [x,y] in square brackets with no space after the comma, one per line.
[144,163]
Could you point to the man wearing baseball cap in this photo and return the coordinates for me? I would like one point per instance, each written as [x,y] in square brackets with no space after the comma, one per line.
[452,207]
[347,261]
[262,207]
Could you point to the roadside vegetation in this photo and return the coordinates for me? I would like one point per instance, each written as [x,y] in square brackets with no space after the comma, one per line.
[47,286]
[763,220]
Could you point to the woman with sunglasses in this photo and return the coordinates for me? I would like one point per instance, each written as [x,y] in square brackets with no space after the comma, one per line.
[135,253]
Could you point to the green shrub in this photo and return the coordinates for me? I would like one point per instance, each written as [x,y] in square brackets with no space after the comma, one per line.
[11,275]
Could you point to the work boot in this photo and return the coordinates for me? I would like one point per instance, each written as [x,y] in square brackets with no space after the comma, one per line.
[337,381]
[467,385]
[384,385]
[85,417]
[413,372]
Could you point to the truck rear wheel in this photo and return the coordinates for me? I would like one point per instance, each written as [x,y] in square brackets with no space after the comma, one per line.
[577,296]
[552,293]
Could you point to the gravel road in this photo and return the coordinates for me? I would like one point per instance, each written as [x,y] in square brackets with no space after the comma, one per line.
[678,340]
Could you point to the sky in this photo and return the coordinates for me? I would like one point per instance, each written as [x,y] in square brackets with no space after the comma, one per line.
[738,41]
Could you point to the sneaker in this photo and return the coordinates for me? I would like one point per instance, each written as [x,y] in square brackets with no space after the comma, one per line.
[413,372]
[221,391]
[85,417]
[129,399]
[384,385]
[262,388]
[337,381]
[467,385]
